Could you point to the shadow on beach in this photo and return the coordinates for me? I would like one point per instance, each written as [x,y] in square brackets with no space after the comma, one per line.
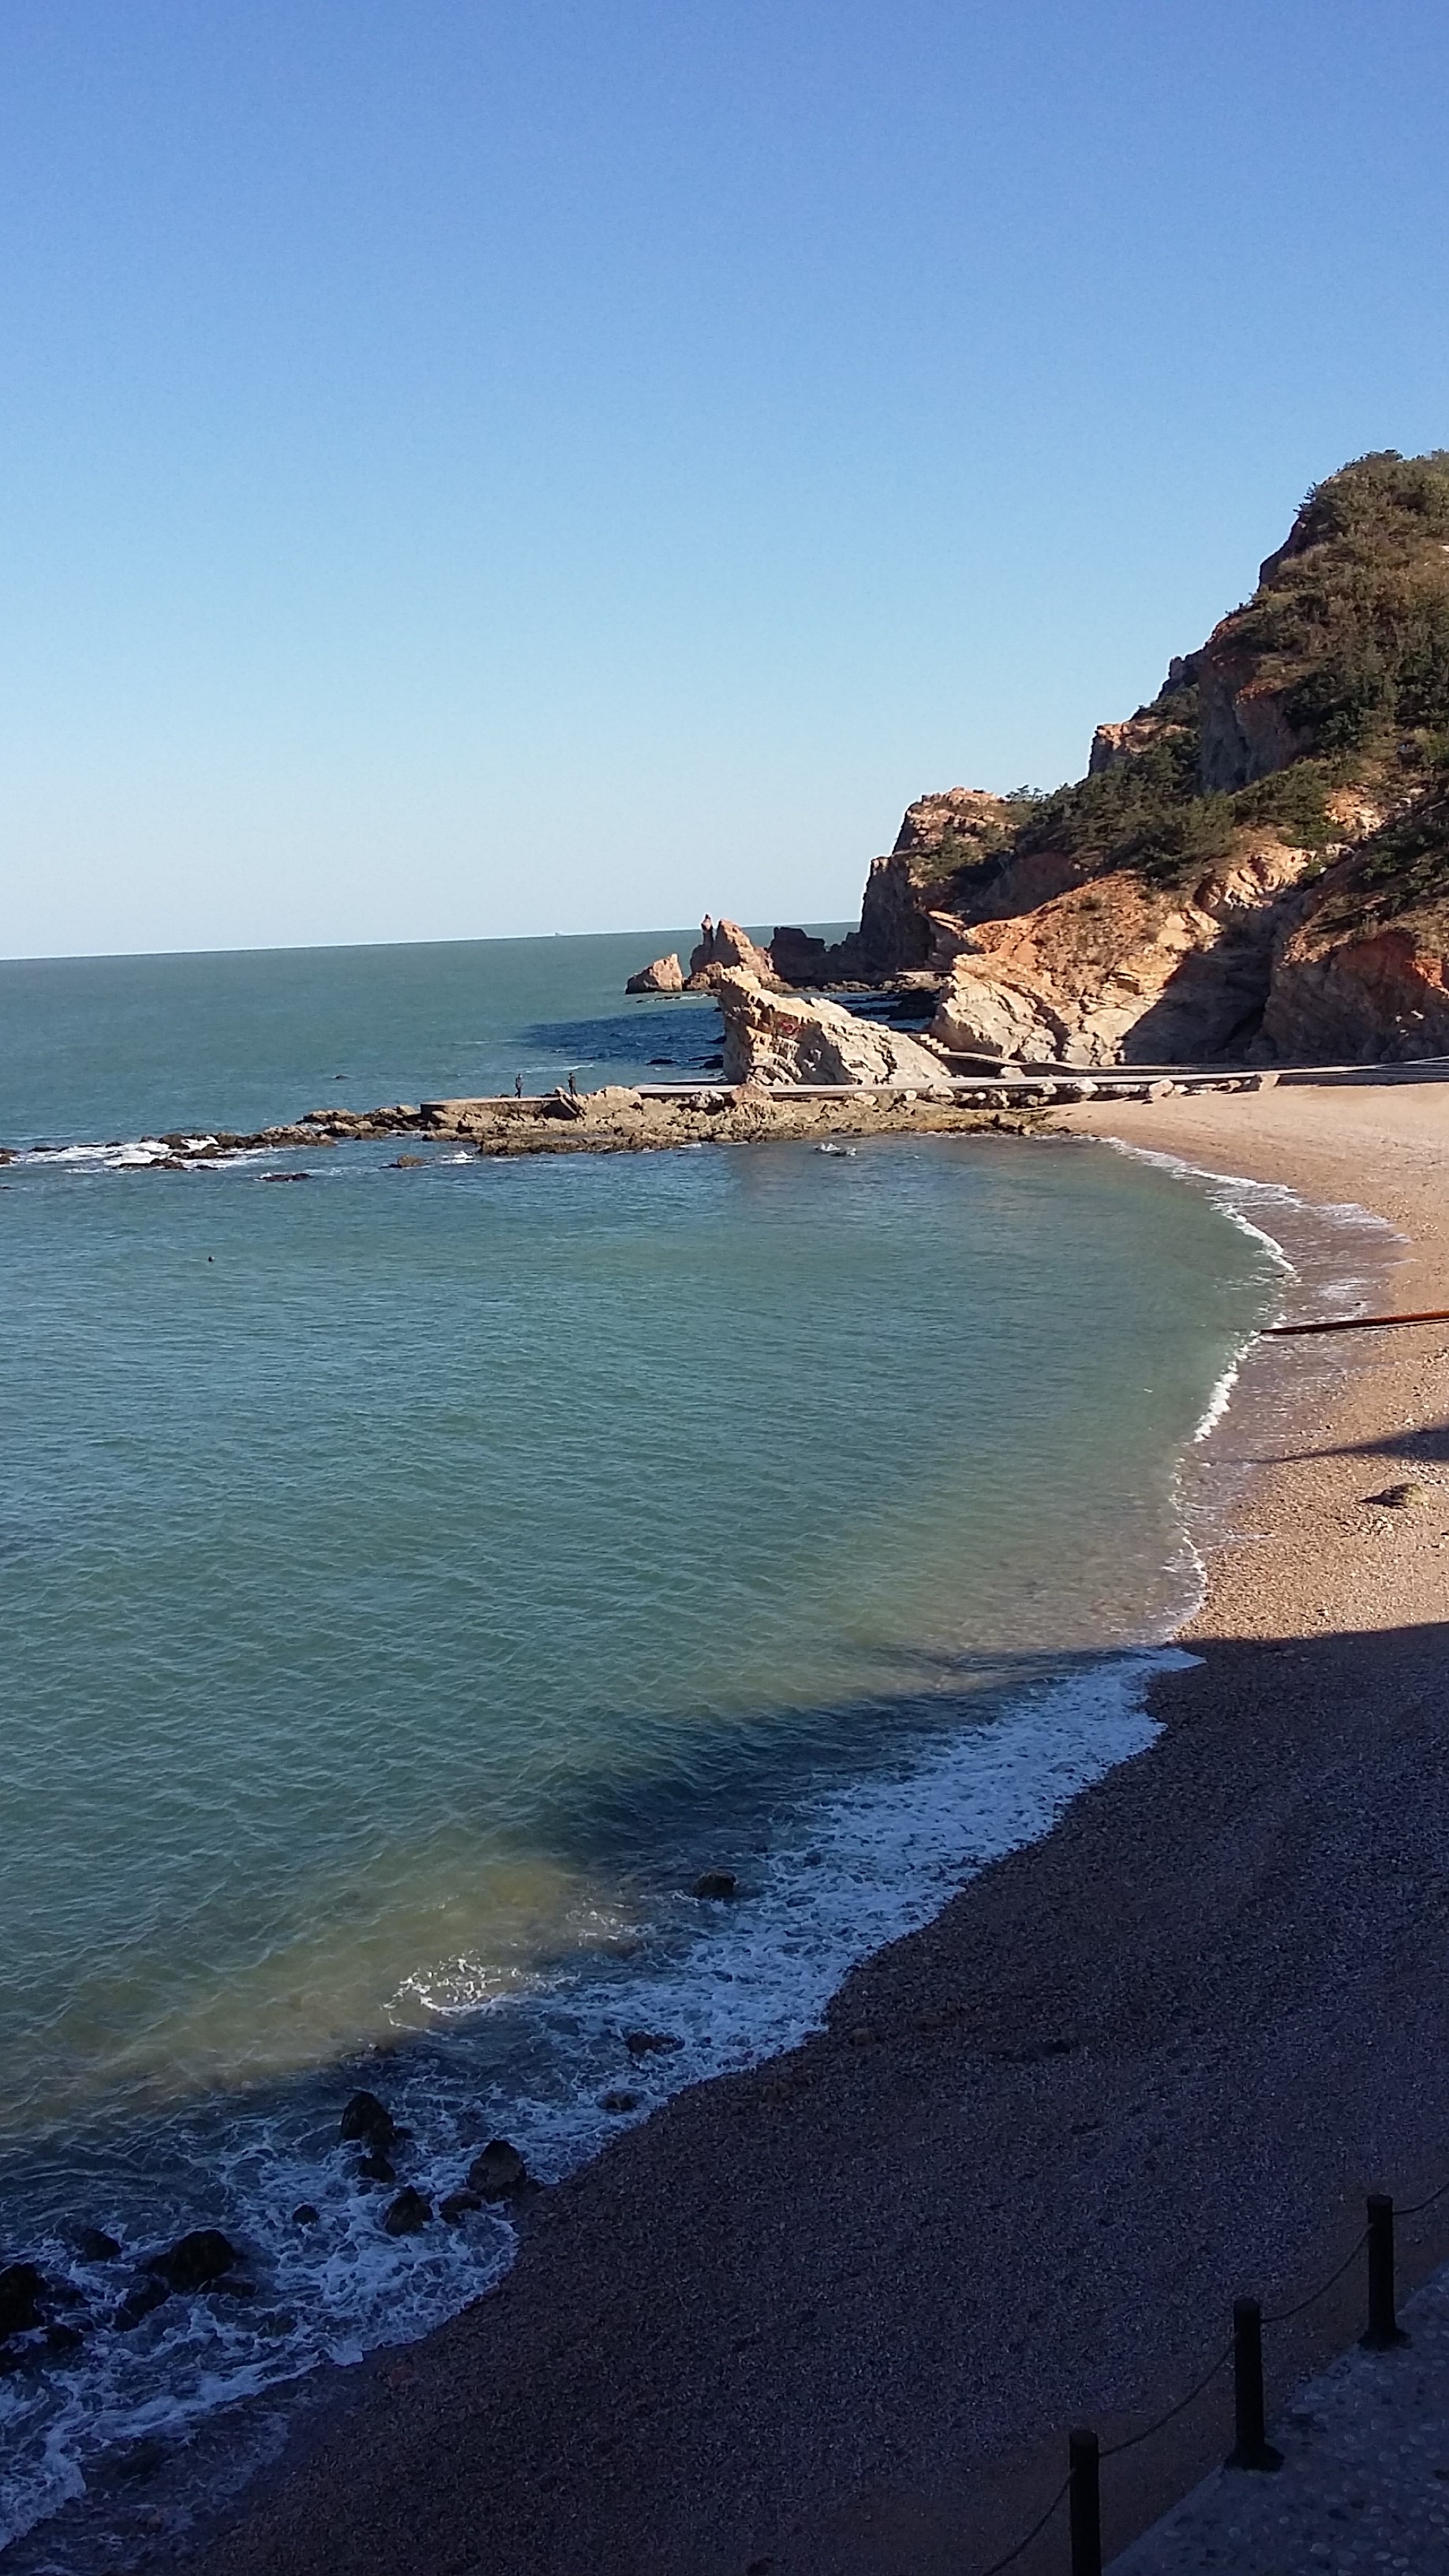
[834,2315]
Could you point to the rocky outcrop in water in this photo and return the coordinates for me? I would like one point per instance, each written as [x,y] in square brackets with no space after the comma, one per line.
[775,1037]
[497,2171]
[22,2291]
[724,949]
[202,2256]
[661,975]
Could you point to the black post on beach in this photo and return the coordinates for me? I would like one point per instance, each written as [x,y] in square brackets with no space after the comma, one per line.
[1251,2446]
[1084,2502]
[1384,2329]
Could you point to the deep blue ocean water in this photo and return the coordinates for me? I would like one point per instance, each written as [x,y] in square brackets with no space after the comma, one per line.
[413,1580]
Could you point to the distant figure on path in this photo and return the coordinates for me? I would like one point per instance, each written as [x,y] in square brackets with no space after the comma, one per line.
[573,1088]
[518,1086]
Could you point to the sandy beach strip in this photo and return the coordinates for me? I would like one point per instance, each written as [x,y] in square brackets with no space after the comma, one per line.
[835,2315]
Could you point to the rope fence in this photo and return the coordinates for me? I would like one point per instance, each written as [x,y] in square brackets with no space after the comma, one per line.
[1080,2489]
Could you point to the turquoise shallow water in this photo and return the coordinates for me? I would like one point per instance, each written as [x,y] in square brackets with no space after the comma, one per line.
[413,1579]
[111,1047]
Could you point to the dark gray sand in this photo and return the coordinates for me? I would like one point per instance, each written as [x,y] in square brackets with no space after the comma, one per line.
[836,2315]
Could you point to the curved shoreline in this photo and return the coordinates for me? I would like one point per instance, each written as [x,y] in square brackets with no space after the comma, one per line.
[645,2359]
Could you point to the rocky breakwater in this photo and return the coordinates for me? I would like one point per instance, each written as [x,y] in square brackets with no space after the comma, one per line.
[793,1068]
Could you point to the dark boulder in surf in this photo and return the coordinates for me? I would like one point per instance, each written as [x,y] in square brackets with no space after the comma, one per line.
[93,2245]
[410,2211]
[148,2293]
[194,2260]
[376,2168]
[368,2119]
[459,2205]
[306,2214]
[650,2043]
[22,2288]
[718,1883]
[497,2171]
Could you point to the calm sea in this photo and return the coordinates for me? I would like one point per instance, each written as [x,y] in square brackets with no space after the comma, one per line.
[413,1580]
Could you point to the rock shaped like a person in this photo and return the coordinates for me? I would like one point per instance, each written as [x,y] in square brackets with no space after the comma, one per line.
[661,975]
[724,947]
[782,1037]
[498,2171]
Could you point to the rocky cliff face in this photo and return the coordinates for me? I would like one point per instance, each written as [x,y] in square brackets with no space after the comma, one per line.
[1116,972]
[1256,866]
[944,842]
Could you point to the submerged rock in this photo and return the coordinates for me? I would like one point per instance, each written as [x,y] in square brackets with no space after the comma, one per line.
[367,2118]
[93,2245]
[619,2103]
[410,2211]
[719,1883]
[22,2288]
[459,2205]
[497,2170]
[144,2295]
[306,2214]
[194,2260]
[376,2168]
[650,2043]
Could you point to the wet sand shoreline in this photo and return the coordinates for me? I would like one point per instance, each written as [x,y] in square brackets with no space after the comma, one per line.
[834,2315]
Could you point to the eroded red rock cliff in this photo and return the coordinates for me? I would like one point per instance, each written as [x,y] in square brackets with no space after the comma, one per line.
[1256,866]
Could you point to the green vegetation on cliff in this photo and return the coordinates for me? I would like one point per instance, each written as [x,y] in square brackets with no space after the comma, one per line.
[1333,677]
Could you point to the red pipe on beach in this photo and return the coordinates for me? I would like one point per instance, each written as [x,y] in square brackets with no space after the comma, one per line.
[1357,1324]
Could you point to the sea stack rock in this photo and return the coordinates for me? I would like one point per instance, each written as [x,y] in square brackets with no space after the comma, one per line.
[723,948]
[662,975]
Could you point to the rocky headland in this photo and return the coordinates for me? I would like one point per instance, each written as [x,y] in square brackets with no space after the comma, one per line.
[1255,868]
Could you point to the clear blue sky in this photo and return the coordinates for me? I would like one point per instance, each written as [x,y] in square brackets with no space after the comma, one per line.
[484,466]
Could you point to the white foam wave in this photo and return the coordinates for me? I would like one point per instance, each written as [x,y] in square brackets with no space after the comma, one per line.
[1234,1195]
[726,1987]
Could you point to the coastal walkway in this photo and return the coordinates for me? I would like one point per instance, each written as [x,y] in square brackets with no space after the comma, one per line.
[1364,2483]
